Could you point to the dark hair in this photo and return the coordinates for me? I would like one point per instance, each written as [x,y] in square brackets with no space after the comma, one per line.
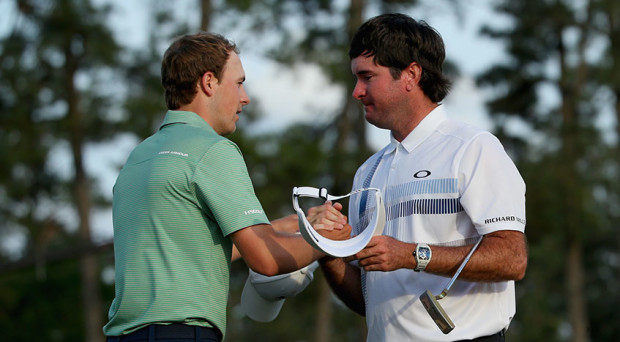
[187,59]
[396,40]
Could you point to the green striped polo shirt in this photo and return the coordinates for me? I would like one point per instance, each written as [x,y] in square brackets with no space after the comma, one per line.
[180,194]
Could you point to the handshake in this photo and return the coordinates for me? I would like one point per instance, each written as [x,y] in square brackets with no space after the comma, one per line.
[327,215]
[326,229]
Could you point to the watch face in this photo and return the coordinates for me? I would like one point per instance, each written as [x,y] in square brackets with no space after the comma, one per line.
[423,253]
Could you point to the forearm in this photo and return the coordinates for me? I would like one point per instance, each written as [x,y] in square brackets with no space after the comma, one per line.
[291,252]
[286,224]
[501,256]
[277,248]
[344,280]
[269,252]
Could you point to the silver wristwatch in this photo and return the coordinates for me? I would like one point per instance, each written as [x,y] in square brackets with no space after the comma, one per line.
[422,255]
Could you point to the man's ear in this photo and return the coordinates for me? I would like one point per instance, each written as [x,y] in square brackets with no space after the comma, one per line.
[208,83]
[412,74]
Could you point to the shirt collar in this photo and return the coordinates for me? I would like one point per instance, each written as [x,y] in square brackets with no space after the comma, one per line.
[422,131]
[185,117]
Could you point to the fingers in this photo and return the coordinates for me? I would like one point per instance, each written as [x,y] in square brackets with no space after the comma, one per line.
[381,254]
[327,216]
[337,205]
[372,262]
[337,234]
[349,258]
[334,211]
[372,249]
[378,255]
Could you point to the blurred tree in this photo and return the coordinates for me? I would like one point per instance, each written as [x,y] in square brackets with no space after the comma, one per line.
[53,64]
[553,87]
[143,104]
[602,286]
[58,66]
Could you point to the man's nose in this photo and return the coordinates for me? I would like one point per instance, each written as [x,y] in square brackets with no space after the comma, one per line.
[359,91]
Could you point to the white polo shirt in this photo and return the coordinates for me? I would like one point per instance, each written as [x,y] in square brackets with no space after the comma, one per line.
[446,184]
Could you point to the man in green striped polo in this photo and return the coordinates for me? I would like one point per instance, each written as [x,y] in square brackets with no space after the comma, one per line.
[184,197]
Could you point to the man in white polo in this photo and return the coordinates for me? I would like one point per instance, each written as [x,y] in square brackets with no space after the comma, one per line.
[444,183]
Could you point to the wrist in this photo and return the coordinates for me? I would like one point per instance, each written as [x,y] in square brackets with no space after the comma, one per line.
[329,260]
[422,255]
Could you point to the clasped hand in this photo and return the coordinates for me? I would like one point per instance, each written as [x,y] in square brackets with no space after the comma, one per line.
[383,253]
[328,220]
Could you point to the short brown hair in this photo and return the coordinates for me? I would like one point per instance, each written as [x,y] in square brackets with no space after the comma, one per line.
[187,59]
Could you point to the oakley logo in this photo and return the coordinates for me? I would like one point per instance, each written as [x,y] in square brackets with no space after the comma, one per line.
[422,174]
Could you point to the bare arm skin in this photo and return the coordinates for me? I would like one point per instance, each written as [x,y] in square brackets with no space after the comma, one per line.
[501,256]
[344,280]
[235,254]
[276,249]
[286,224]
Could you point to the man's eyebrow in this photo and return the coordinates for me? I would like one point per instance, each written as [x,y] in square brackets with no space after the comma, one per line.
[363,72]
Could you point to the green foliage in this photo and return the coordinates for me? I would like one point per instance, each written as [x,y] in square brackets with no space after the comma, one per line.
[61,51]
[42,303]
[571,172]
[53,64]
[34,102]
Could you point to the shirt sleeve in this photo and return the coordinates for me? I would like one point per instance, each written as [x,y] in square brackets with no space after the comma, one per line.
[493,191]
[224,188]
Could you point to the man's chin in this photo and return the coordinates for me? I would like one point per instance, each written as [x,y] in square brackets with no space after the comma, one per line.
[229,132]
[372,120]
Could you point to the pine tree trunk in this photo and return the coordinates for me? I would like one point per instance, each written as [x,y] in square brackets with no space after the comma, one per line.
[205,14]
[351,128]
[351,122]
[571,83]
[324,313]
[89,269]
[576,294]
[613,17]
